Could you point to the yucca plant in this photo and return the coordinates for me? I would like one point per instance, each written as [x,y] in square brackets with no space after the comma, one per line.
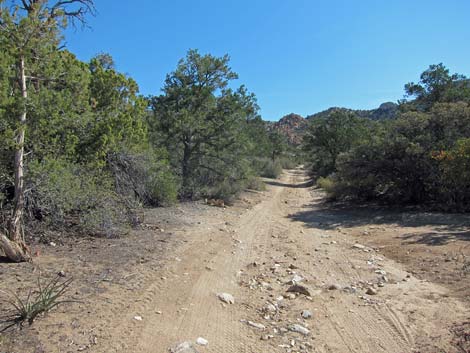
[38,301]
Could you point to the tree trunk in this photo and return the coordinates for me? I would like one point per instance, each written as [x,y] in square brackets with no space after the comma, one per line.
[14,246]
[186,172]
[16,252]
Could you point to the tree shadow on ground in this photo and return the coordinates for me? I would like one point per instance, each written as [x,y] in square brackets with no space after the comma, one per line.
[435,238]
[445,227]
[303,185]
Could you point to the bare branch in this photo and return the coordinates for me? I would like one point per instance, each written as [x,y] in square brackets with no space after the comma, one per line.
[78,12]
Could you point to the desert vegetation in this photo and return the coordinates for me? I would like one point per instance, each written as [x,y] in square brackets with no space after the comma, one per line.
[421,157]
[81,148]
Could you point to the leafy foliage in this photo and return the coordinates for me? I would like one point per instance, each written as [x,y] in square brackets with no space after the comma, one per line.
[207,128]
[328,137]
[419,158]
[96,151]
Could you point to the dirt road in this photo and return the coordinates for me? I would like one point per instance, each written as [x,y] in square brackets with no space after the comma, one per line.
[253,256]
[253,252]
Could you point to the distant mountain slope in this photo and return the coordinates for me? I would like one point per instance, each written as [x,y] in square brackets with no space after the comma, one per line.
[387,110]
[293,125]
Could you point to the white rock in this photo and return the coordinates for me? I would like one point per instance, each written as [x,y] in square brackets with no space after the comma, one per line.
[270,308]
[185,347]
[138,318]
[359,246]
[202,341]
[256,325]
[299,329]
[226,298]
[296,279]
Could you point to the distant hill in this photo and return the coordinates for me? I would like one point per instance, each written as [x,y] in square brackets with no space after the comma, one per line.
[387,110]
[293,125]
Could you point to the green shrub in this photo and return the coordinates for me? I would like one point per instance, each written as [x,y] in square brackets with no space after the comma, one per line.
[163,187]
[288,162]
[255,183]
[144,175]
[328,184]
[67,194]
[265,167]
[225,190]
[454,176]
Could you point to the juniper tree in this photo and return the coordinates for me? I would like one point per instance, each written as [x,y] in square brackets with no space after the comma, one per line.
[30,33]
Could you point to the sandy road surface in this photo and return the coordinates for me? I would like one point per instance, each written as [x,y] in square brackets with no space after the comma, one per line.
[252,256]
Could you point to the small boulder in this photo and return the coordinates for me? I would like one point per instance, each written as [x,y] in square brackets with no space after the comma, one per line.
[256,325]
[226,298]
[185,347]
[359,246]
[296,279]
[202,341]
[306,314]
[299,329]
[297,288]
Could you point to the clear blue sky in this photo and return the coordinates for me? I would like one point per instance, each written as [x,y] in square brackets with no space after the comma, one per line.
[298,56]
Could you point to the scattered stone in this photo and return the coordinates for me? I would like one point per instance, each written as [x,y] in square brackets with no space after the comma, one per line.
[185,347]
[371,291]
[61,274]
[226,298]
[266,337]
[256,325]
[296,279]
[334,286]
[306,314]
[202,341]
[299,329]
[350,289]
[297,288]
[52,244]
[290,296]
[270,308]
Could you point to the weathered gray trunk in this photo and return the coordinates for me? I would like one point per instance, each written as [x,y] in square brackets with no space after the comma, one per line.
[15,223]
[14,246]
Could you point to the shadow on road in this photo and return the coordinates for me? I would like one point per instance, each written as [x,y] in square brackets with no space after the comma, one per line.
[306,184]
[435,238]
[444,227]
